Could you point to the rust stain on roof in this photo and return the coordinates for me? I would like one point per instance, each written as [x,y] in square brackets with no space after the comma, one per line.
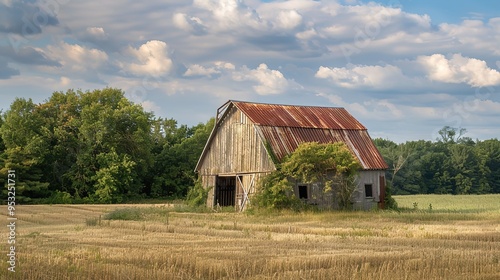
[299,116]
[284,140]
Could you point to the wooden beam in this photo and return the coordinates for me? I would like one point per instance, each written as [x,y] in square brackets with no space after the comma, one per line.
[221,110]
[246,192]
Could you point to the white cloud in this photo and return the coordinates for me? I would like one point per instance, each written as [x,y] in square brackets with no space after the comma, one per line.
[181,21]
[152,59]
[372,19]
[224,65]
[305,35]
[481,106]
[198,70]
[231,14]
[65,81]
[76,58]
[394,67]
[336,30]
[474,34]
[150,106]
[298,5]
[190,24]
[288,19]
[96,33]
[269,81]
[372,109]
[459,69]
[357,76]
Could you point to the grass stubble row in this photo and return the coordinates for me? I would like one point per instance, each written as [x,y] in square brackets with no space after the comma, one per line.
[58,242]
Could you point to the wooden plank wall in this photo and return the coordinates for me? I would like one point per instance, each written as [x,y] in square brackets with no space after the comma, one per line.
[317,196]
[368,177]
[236,148]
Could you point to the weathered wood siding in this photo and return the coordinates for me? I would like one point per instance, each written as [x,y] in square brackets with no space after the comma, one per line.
[235,150]
[317,196]
[368,177]
[208,181]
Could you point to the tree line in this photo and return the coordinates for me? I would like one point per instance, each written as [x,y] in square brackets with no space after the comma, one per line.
[452,164]
[99,147]
[96,147]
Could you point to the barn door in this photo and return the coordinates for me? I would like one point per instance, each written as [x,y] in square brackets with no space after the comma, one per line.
[246,191]
[225,191]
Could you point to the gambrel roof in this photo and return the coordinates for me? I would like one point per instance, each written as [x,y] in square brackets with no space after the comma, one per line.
[283,127]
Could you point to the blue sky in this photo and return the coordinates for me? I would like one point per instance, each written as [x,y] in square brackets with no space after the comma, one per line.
[403,68]
[448,11]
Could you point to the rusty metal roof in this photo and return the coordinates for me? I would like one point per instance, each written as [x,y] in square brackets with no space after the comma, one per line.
[298,116]
[284,127]
[284,140]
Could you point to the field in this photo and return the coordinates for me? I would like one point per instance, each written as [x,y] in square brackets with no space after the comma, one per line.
[432,237]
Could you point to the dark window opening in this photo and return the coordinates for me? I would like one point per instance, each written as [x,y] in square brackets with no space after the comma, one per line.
[368,190]
[303,192]
[225,191]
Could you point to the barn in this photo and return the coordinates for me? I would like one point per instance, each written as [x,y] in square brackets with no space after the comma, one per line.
[249,138]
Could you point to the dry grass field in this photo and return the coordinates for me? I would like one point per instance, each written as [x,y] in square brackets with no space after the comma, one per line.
[454,238]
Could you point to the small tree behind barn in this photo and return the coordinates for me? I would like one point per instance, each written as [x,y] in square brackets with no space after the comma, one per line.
[330,167]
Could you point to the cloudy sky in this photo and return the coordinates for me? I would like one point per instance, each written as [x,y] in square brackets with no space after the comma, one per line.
[403,68]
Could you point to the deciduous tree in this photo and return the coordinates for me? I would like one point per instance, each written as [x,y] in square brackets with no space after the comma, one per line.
[25,148]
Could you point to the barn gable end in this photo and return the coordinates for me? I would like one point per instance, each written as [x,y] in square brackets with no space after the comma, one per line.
[233,160]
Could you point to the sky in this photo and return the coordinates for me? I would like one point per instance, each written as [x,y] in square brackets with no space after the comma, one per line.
[403,68]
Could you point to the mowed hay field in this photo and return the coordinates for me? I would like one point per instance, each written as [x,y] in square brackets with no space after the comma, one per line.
[458,237]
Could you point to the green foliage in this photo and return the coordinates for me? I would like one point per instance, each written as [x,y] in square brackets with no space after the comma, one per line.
[114,178]
[114,147]
[276,192]
[332,165]
[197,195]
[271,153]
[96,146]
[450,203]
[59,197]
[344,189]
[132,214]
[452,165]
[25,149]
[389,201]
[178,151]
[312,161]
[450,134]
[2,153]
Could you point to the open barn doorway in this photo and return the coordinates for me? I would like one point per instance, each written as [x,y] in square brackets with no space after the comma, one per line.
[225,191]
